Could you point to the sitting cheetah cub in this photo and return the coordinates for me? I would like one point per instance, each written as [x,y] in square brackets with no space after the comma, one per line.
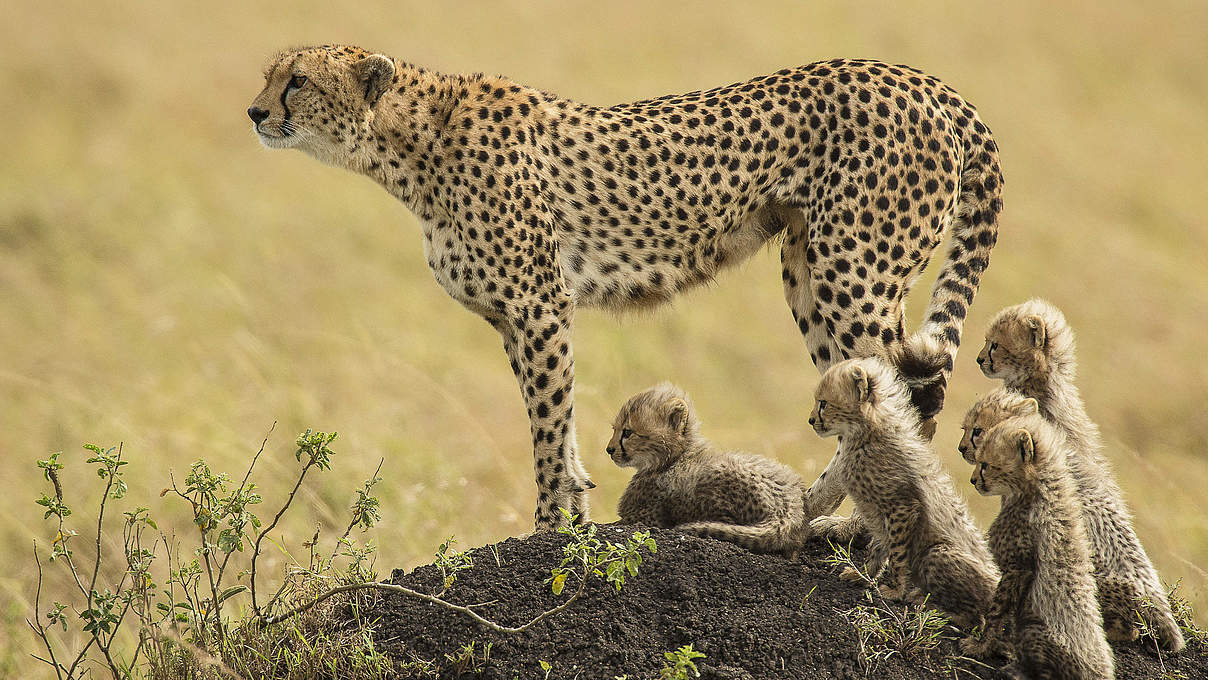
[1047,590]
[1030,347]
[989,411]
[917,520]
[686,482]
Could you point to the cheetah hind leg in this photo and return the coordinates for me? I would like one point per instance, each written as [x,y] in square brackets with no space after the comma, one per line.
[766,537]
[956,586]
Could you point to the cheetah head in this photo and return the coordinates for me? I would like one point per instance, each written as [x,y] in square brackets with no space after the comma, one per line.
[1012,455]
[654,428]
[316,99]
[989,411]
[857,393]
[1026,342]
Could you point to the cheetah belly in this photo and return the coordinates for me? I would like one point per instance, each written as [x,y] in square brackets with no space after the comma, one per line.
[622,270]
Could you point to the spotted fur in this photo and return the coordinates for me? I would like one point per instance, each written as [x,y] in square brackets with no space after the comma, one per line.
[1045,606]
[682,480]
[907,501]
[1031,348]
[532,204]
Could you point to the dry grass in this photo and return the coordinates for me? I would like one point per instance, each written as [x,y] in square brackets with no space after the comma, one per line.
[166,282]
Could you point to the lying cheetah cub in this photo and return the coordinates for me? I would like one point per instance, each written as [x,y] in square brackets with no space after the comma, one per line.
[903,496]
[1047,590]
[1030,347]
[686,482]
[989,411]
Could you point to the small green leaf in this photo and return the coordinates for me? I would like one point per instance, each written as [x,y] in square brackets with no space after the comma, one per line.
[559,582]
[230,592]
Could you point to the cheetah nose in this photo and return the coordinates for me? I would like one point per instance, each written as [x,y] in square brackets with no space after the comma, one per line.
[981,360]
[611,450]
[962,448]
[257,114]
[811,421]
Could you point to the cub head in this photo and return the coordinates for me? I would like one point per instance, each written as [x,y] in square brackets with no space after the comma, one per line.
[1026,342]
[654,428]
[856,394]
[989,411]
[316,99]
[1013,455]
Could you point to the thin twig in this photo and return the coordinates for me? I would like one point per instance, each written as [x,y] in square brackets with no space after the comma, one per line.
[395,588]
[37,622]
[353,523]
[259,537]
[242,486]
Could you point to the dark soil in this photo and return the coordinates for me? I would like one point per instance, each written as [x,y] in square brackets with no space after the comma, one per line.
[753,616]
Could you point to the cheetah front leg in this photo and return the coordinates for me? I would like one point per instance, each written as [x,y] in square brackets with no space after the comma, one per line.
[537,337]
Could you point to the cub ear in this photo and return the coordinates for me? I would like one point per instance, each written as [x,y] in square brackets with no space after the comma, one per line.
[861,384]
[1027,448]
[1035,325]
[374,73]
[1030,407]
[677,415]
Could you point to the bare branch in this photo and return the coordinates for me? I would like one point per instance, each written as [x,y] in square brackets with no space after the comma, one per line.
[395,588]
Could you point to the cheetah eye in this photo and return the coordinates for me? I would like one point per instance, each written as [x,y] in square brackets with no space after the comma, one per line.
[993,346]
[977,432]
[296,82]
[625,434]
[821,406]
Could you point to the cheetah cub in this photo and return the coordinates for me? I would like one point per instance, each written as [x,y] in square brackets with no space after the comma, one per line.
[1030,347]
[990,410]
[683,480]
[918,522]
[1047,591]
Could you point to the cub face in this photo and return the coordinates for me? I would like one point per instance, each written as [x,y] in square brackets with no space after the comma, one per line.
[843,398]
[989,411]
[314,99]
[1015,347]
[654,428]
[1006,459]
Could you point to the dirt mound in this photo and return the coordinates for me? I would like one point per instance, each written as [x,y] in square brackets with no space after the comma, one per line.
[753,616]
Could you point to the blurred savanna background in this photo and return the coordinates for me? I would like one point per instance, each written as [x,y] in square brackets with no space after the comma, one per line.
[167,283]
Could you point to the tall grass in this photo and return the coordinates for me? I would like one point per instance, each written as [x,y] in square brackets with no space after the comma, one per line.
[166,282]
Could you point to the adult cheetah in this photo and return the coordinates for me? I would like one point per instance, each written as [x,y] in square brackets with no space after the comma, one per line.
[533,205]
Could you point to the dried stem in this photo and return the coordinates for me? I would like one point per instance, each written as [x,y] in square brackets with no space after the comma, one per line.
[395,588]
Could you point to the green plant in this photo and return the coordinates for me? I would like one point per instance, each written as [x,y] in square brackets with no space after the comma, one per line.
[680,663]
[450,562]
[1184,617]
[884,632]
[467,659]
[163,613]
[586,554]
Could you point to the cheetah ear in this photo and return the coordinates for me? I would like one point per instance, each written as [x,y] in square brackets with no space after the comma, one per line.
[1036,326]
[375,73]
[1030,407]
[861,384]
[677,415]
[1027,448]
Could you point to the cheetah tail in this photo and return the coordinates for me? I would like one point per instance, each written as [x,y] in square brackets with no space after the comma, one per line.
[770,537]
[926,358]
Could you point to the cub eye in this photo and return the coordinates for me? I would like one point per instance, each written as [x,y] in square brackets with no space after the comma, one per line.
[977,432]
[993,346]
[297,82]
[982,466]
[625,434]
[821,405]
